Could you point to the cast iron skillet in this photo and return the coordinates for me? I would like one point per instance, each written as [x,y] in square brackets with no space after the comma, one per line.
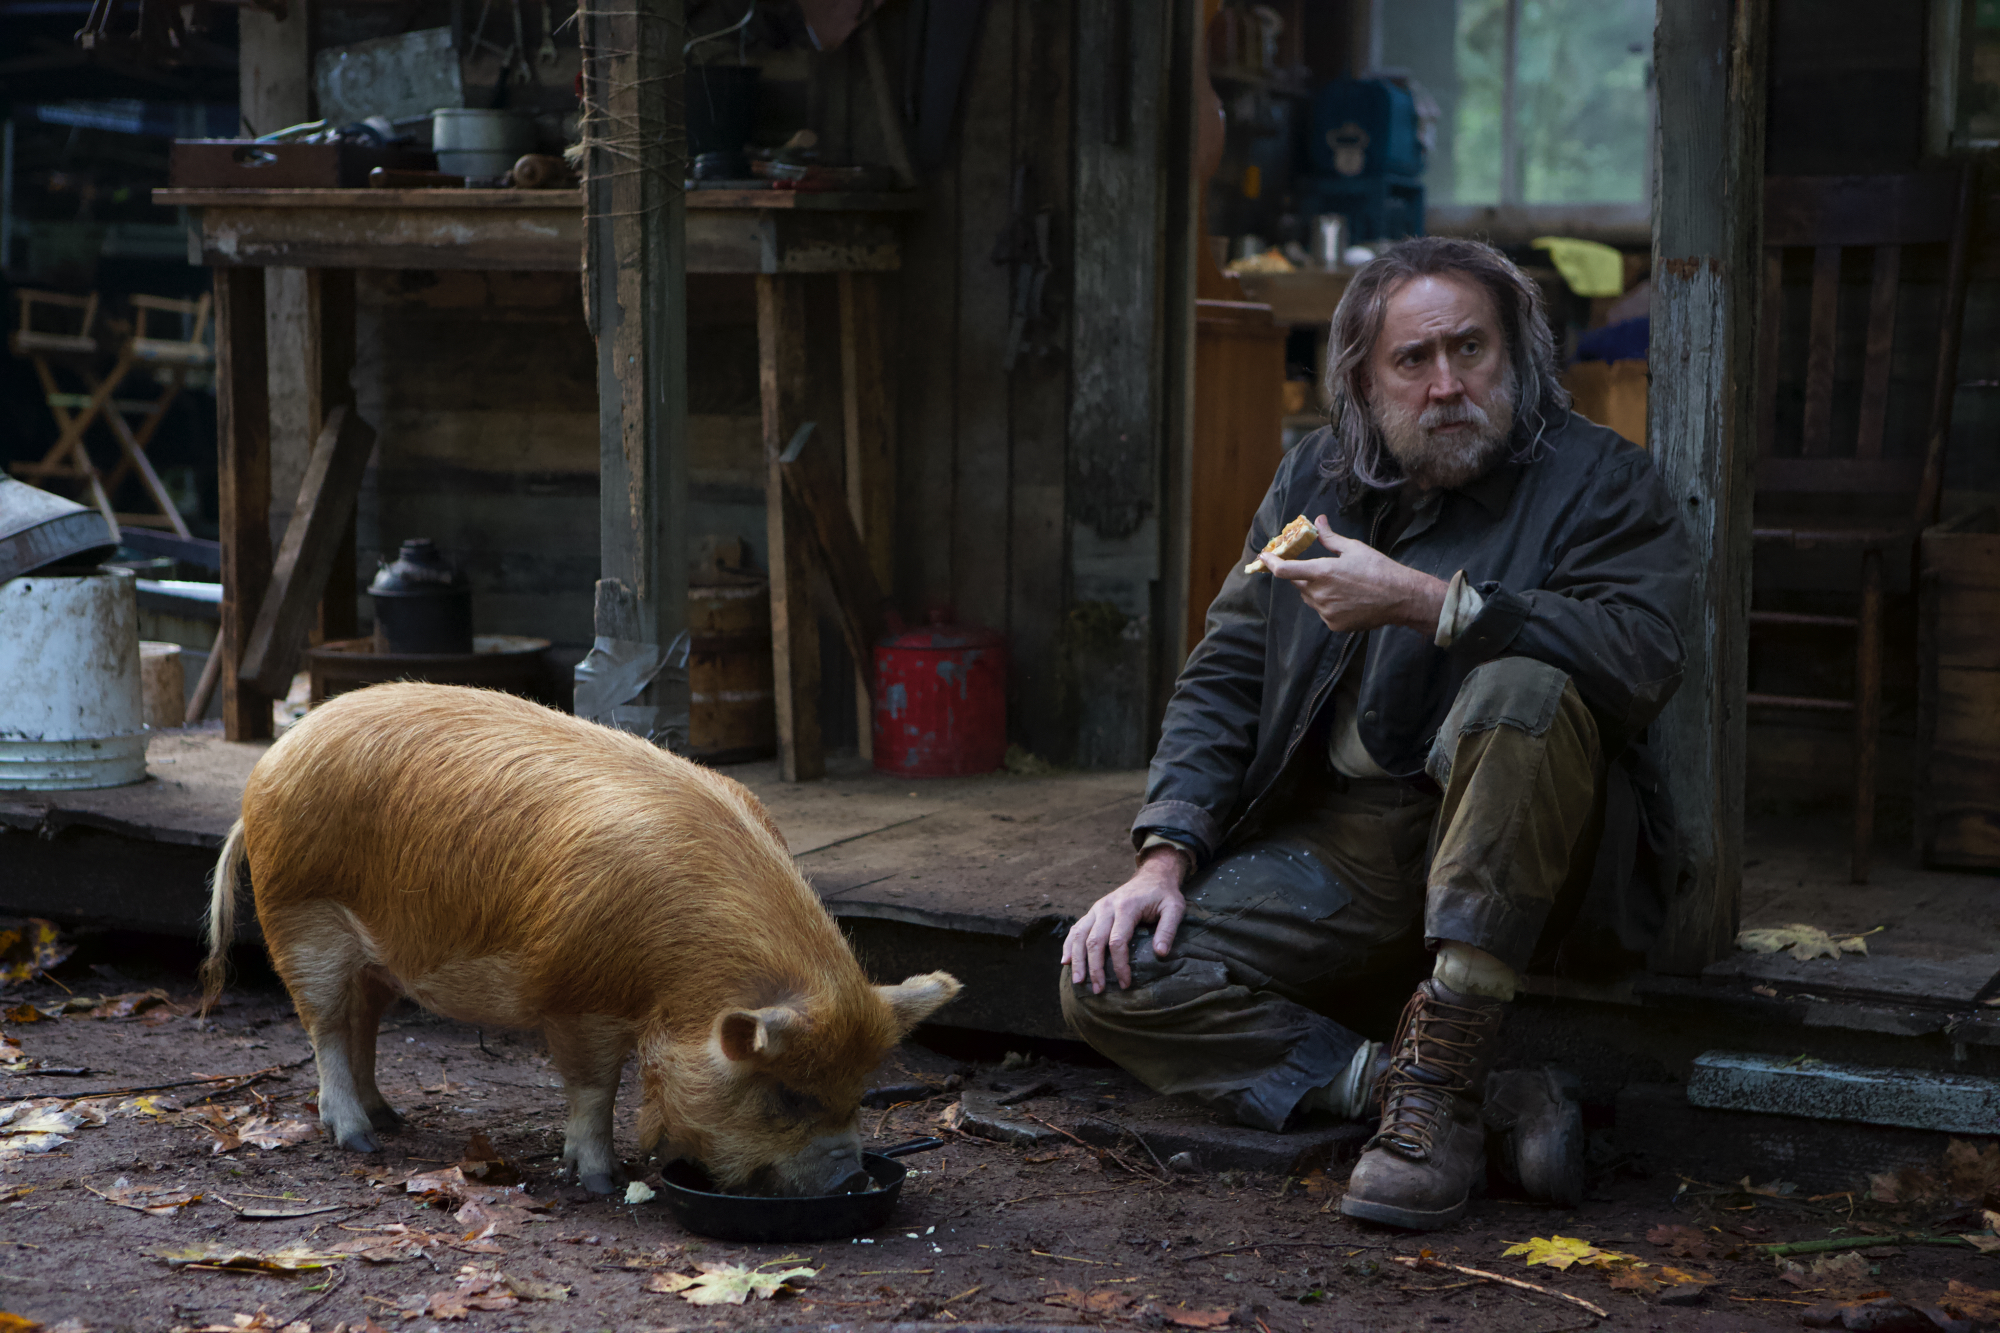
[749,1217]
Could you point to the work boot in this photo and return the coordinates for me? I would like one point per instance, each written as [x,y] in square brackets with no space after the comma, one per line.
[1419,1169]
[1535,1137]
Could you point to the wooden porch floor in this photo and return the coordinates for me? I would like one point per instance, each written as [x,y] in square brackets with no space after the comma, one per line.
[981,876]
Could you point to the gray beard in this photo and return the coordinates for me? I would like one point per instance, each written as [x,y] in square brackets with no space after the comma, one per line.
[1432,461]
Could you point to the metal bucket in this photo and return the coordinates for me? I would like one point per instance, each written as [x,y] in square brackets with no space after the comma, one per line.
[71,707]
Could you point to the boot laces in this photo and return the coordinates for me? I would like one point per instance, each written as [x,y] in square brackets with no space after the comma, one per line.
[1437,1051]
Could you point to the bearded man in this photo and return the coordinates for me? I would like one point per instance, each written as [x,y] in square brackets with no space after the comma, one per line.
[1422,749]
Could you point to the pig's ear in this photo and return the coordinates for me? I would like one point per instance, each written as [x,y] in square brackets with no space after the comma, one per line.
[758,1034]
[917,998]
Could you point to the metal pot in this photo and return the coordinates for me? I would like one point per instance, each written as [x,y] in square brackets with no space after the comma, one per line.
[475,142]
[423,603]
[692,1199]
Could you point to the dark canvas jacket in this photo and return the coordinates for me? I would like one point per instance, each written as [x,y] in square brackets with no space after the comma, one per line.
[1582,562]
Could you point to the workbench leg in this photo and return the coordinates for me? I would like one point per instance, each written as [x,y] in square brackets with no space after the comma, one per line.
[783,377]
[243,449]
[866,399]
[330,384]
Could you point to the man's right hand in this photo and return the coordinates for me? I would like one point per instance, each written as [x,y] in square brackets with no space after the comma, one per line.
[1153,894]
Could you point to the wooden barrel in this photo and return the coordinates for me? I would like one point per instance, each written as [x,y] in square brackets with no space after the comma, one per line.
[733,707]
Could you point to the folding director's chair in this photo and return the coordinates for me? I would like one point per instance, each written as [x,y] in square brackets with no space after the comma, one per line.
[78,352]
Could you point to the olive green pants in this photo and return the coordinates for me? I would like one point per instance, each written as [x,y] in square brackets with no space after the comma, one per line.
[1340,903]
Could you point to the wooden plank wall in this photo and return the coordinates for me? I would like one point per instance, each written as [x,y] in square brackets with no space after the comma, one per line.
[982,451]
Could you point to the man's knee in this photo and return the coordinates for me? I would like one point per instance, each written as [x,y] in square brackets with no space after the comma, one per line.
[1518,692]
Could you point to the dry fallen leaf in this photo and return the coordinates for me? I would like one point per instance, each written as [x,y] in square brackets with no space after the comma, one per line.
[1198,1318]
[1802,941]
[1559,1252]
[393,1243]
[15,1323]
[291,1259]
[1965,1174]
[30,946]
[261,1322]
[130,1005]
[1682,1242]
[1090,1302]
[481,1288]
[265,1212]
[24,1013]
[733,1284]
[159,1200]
[668,1283]
[1965,1301]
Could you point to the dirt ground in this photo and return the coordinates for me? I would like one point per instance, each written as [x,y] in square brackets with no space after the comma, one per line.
[985,1234]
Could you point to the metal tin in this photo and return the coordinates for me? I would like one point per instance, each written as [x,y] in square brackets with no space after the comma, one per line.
[423,602]
[72,711]
[941,702]
[39,528]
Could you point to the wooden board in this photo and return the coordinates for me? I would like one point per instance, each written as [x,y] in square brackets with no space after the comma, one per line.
[322,524]
[1707,274]
[812,481]
[518,230]
[981,434]
[786,387]
[1038,392]
[243,438]
[1238,442]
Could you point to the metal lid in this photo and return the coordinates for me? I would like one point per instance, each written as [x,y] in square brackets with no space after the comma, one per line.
[942,634]
[38,528]
[419,570]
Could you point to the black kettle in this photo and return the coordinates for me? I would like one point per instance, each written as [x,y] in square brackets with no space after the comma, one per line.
[423,603]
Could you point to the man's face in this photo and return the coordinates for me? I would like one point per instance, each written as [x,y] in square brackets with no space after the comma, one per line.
[1440,385]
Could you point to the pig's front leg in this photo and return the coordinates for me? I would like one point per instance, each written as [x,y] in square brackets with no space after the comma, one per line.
[589,1053]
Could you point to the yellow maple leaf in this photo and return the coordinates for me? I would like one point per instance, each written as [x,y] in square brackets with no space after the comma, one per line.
[1560,1252]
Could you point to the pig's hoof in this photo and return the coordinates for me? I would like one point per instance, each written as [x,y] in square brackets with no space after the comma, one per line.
[357,1140]
[598,1182]
[387,1119]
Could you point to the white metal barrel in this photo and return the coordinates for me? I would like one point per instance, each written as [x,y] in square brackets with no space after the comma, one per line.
[71,709]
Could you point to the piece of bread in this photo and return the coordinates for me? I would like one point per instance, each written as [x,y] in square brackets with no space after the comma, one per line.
[1293,540]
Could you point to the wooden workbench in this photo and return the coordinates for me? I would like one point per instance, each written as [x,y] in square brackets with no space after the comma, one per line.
[782,237]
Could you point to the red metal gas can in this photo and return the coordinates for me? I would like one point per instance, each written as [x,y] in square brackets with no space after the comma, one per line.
[941,701]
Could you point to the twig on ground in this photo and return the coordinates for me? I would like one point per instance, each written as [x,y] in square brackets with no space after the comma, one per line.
[1783,1248]
[1026,1091]
[333,1282]
[1279,1245]
[273,1072]
[182,1083]
[1112,1153]
[888,1111]
[1135,1134]
[1418,1262]
[1060,1194]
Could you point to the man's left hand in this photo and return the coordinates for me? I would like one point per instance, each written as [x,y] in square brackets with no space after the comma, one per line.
[1357,588]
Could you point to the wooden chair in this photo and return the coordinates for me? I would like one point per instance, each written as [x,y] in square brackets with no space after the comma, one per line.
[69,460]
[75,349]
[176,357]
[1811,496]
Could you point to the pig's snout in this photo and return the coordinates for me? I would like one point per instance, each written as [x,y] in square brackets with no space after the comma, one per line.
[832,1165]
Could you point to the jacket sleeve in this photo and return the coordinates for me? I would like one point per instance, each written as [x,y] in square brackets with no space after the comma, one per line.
[1209,733]
[1610,611]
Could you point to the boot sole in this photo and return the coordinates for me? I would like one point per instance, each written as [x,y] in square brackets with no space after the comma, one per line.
[1410,1219]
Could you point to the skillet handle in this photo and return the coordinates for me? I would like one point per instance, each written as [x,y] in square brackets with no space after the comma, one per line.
[914,1145]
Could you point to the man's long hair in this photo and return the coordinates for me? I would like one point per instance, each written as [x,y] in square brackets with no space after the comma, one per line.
[1360,457]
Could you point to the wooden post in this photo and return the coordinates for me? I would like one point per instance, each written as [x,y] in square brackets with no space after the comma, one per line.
[243,445]
[330,384]
[1117,416]
[635,294]
[871,448]
[1709,57]
[783,377]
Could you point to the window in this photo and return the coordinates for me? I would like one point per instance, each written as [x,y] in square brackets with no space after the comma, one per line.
[1541,102]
